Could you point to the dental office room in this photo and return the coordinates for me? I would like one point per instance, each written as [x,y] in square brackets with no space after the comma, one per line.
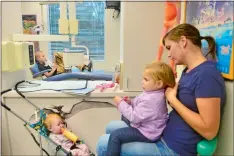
[81,78]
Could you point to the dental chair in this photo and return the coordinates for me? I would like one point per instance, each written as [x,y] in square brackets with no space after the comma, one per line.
[75,74]
[68,68]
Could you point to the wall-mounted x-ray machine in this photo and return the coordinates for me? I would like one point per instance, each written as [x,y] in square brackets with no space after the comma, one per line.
[17,55]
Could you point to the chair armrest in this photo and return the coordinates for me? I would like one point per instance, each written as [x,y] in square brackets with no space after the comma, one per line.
[41,73]
[206,147]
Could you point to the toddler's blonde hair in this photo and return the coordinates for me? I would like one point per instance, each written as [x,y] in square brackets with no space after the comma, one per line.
[161,71]
[49,119]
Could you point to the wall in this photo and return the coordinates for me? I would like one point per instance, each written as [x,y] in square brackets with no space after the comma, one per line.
[112,34]
[141,29]
[14,25]
[225,138]
[11,23]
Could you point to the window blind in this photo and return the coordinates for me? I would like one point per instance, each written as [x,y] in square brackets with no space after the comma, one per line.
[90,16]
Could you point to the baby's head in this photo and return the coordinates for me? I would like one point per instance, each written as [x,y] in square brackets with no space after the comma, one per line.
[157,75]
[54,123]
[40,57]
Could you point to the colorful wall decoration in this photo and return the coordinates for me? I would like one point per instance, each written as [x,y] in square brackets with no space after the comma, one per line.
[30,21]
[215,18]
[171,19]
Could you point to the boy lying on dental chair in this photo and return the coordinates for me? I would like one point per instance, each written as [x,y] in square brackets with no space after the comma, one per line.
[44,64]
[57,67]
[59,134]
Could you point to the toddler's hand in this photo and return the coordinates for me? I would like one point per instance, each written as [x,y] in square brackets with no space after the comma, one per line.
[117,100]
[127,99]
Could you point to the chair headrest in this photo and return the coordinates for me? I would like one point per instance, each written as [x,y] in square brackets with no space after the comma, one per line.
[34,69]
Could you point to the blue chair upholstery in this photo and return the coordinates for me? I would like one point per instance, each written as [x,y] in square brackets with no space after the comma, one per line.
[34,69]
[81,76]
[36,72]
[41,73]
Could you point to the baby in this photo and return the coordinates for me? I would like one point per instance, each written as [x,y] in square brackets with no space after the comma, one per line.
[54,123]
[146,115]
[44,64]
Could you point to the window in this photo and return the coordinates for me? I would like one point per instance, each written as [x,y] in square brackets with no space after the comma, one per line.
[90,16]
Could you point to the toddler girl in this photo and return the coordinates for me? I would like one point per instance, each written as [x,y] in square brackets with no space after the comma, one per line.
[146,115]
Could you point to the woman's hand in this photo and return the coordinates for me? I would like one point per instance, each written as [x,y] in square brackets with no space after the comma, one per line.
[171,94]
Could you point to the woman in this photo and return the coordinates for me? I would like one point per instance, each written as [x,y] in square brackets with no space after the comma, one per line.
[197,100]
